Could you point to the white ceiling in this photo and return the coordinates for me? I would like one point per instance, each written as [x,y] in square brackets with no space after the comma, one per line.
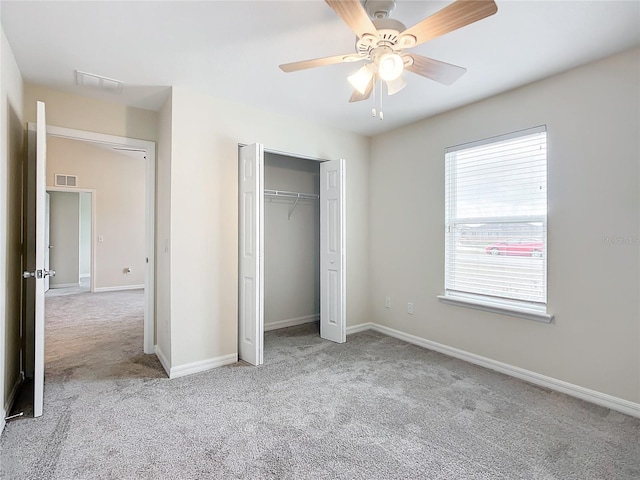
[232,49]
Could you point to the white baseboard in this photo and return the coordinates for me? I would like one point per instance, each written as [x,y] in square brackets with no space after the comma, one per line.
[593,396]
[118,288]
[202,365]
[64,285]
[10,399]
[361,327]
[163,360]
[291,322]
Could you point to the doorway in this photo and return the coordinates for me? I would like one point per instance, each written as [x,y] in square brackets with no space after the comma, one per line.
[35,176]
[146,152]
[251,255]
[69,239]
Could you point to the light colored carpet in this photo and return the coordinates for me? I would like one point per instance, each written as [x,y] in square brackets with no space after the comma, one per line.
[374,408]
[84,286]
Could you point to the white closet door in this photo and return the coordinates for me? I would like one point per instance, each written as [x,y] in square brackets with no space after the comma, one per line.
[333,322]
[251,247]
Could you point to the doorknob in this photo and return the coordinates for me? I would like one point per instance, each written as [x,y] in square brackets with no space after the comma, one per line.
[34,274]
[39,274]
[50,246]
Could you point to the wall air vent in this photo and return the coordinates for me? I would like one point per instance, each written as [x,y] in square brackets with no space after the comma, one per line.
[63,180]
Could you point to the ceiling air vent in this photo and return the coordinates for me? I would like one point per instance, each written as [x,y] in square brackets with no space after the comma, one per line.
[63,180]
[91,80]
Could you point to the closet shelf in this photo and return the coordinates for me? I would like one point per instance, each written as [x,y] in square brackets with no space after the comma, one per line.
[292,195]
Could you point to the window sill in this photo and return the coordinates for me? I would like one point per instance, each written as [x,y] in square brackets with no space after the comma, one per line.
[493,308]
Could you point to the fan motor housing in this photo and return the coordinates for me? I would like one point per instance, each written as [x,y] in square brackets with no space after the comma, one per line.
[388,35]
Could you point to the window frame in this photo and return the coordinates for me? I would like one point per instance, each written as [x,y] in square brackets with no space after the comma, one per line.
[531,310]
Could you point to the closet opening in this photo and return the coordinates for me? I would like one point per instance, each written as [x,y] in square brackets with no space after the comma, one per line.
[291,241]
[291,249]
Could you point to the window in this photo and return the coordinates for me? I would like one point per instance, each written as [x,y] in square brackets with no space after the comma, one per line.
[496,224]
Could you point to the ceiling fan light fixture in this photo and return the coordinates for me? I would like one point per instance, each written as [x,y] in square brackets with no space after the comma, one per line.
[390,66]
[394,86]
[361,79]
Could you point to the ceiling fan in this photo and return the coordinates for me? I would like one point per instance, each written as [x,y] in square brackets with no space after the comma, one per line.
[383,42]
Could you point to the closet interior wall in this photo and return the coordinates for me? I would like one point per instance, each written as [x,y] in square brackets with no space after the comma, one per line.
[291,242]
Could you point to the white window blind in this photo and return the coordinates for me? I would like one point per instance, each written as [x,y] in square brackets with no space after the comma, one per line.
[496,220]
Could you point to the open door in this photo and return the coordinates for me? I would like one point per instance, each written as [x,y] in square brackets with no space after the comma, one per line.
[36,271]
[250,249]
[333,323]
[47,238]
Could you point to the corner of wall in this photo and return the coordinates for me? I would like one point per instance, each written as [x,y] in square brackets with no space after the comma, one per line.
[163,234]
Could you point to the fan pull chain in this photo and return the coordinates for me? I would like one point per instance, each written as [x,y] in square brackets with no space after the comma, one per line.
[377,113]
[381,114]
[373,110]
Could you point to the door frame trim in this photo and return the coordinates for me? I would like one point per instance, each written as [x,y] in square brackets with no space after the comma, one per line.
[150,183]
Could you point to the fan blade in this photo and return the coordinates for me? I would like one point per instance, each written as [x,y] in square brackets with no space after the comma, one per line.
[356,96]
[320,62]
[452,17]
[441,72]
[354,15]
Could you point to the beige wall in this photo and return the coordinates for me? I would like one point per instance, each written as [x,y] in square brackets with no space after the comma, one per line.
[204,214]
[119,182]
[291,245]
[64,236]
[83,113]
[11,168]
[592,117]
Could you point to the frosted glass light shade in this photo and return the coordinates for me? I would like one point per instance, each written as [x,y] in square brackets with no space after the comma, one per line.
[361,79]
[390,66]
[394,86]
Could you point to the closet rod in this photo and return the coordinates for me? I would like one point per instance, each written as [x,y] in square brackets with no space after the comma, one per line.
[296,195]
[284,193]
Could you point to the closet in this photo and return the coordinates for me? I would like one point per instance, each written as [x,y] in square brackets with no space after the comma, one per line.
[291,246]
[291,241]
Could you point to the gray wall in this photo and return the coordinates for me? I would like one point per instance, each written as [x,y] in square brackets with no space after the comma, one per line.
[85,234]
[202,173]
[64,236]
[592,117]
[292,246]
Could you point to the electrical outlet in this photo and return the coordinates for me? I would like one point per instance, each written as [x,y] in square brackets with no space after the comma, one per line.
[410,308]
[387,302]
